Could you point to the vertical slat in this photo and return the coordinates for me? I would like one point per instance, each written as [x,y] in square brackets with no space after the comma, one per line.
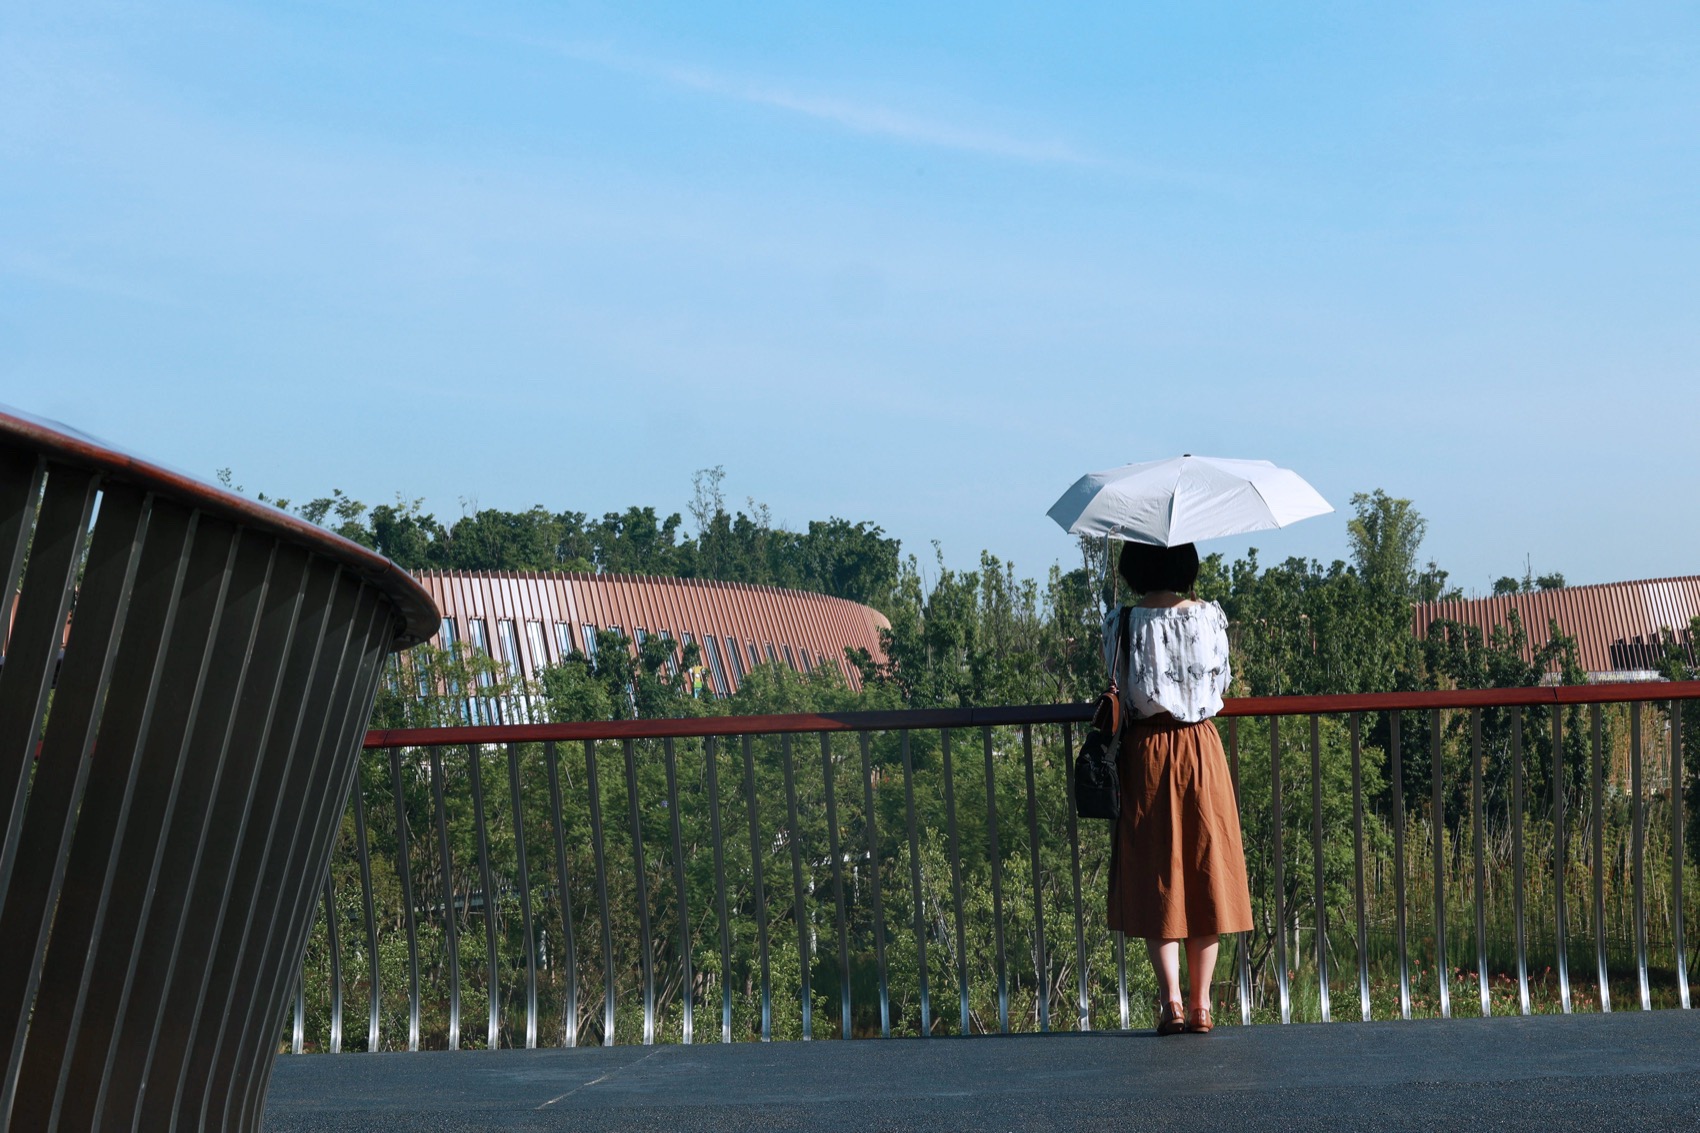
[1278,849]
[598,853]
[1437,824]
[1041,957]
[1083,1009]
[1561,923]
[22,475]
[711,765]
[646,953]
[759,891]
[1676,850]
[451,926]
[522,867]
[1396,758]
[404,873]
[1638,853]
[833,848]
[1121,979]
[298,1041]
[871,828]
[680,895]
[1356,726]
[563,891]
[1598,792]
[918,899]
[333,948]
[487,883]
[996,853]
[799,909]
[1517,865]
[1478,847]
[1316,869]
[954,849]
[368,915]
[1242,940]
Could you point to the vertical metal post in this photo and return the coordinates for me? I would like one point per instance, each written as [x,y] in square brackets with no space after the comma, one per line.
[1121,977]
[1638,854]
[451,927]
[486,881]
[593,792]
[874,881]
[1478,845]
[522,867]
[996,853]
[711,764]
[799,907]
[368,911]
[1676,852]
[686,982]
[563,890]
[1517,860]
[333,949]
[834,849]
[1083,1007]
[919,899]
[1355,723]
[760,888]
[1437,823]
[1598,820]
[1280,861]
[1041,958]
[1561,924]
[1316,866]
[1242,946]
[1398,795]
[954,849]
[404,874]
[646,951]
[298,1039]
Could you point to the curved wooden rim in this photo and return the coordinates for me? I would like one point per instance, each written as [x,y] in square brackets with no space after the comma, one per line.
[62,443]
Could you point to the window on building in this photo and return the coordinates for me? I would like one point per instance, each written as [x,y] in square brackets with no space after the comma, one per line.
[789,659]
[714,668]
[773,656]
[564,639]
[447,636]
[672,653]
[539,651]
[589,632]
[483,710]
[755,656]
[734,655]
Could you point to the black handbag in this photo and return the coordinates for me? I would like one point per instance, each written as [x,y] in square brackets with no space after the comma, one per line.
[1097,783]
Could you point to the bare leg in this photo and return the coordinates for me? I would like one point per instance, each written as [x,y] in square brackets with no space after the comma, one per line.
[1166,963]
[1200,966]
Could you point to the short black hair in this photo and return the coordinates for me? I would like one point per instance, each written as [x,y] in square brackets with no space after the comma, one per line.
[1146,567]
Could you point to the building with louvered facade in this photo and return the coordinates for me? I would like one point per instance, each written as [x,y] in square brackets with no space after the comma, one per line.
[530,621]
[1620,627]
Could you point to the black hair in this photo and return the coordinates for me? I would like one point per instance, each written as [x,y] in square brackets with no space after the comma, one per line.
[1146,567]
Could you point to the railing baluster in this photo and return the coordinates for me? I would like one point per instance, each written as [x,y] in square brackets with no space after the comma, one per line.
[711,765]
[1316,860]
[837,884]
[1121,977]
[451,929]
[646,952]
[681,904]
[1083,1008]
[492,958]
[799,908]
[1638,855]
[368,913]
[563,890]
[1478,848]
[333,949]
[298,1041]
[1242,940]
[1356,727]
[954,849]
[593,792]
[1676,854]
[919,902]
[1041,958]
[760,888]
[874,883]
[1437,824]
[523,869]
[1561,925]
[1597,790]
[1396,758]
[997,881]
[1277,842]
[404,873]
[1517,867]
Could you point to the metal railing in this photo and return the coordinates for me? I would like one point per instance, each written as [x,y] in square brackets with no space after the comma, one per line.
[817,876]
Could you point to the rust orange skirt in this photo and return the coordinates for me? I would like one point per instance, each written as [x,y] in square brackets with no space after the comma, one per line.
[1177,865]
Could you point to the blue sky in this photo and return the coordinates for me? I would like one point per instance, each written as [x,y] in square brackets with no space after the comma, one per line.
[919,264]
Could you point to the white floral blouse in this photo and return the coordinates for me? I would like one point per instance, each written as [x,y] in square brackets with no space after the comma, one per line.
[1177,660]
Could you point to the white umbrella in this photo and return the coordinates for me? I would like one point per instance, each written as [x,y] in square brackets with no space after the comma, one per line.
[1186,499]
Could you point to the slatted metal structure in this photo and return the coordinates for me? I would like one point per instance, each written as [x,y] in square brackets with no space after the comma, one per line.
[531,620]
[187,676]
[1619,627]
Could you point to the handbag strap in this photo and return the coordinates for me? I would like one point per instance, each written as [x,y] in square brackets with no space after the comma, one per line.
[1121,650]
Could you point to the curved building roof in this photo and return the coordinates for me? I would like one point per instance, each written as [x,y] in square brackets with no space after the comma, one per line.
[533,620]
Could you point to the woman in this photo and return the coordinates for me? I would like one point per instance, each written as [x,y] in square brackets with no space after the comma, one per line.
[1177,868]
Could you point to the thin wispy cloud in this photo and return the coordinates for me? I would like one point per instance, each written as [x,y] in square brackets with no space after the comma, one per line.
[848,114]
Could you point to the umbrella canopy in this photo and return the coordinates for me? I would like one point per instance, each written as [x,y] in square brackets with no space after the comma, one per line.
[1186,499]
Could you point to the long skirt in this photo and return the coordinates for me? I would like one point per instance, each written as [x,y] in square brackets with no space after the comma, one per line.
[1177,865]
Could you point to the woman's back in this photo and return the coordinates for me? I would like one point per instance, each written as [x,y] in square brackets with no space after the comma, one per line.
[1177,659]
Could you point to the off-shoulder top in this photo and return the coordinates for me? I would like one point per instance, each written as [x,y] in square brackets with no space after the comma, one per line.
[1177,660]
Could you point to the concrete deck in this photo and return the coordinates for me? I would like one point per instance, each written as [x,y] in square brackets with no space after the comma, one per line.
[1626,1071]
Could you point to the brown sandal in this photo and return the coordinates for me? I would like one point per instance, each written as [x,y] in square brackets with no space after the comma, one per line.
[1170,1020]
[1198,1021]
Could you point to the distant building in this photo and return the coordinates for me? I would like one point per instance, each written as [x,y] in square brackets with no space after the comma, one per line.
[1618,626]
[530,621]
